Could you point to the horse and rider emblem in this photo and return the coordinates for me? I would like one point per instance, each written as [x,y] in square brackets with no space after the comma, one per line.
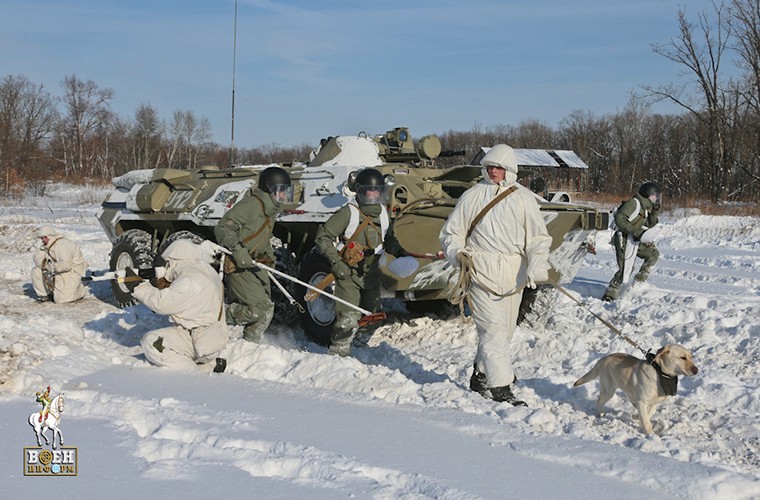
[61,461]
[48,418]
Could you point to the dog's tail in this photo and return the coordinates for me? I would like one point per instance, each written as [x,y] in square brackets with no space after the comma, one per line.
[594,373]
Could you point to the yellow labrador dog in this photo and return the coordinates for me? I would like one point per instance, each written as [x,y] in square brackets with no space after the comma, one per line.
[646,383]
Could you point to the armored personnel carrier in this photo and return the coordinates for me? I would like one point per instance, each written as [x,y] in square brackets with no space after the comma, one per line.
[149,209]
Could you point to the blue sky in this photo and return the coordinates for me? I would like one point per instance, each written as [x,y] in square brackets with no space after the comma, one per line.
[309,69]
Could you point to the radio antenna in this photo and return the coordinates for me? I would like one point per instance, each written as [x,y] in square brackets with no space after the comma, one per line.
[234,56]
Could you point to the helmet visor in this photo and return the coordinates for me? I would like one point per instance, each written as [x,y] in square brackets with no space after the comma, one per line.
[371,194]
[281,193]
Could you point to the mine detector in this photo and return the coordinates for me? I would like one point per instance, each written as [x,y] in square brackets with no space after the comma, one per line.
[149,209]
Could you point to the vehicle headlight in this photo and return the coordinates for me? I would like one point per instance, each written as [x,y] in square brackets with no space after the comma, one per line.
[389,180]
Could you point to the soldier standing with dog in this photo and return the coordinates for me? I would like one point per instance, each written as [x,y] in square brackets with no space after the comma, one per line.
[497,239]
[246,230]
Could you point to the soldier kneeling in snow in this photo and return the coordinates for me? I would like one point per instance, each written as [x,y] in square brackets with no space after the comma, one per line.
[58,268]
[192,294]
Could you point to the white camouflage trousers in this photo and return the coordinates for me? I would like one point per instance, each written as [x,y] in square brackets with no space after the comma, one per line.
[181,350]
[496,320]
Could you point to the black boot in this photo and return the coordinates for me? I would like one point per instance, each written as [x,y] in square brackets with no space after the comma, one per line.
[504,394]
[221,365]
[478,382]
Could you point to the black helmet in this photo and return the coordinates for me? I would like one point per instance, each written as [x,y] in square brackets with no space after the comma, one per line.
[369,179]
[271,176]
[649,188]
[276,182]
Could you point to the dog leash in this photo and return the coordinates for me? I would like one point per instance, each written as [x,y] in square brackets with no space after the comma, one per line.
[604,321]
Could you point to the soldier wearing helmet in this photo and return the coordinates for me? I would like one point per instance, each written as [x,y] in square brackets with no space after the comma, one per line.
[58,268]
[246,230]
[631,220]
[192,294]
[353,239]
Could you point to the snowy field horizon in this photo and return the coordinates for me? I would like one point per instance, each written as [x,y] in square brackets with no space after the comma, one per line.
[397,420]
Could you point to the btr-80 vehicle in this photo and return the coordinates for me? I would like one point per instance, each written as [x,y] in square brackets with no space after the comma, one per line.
[151,208]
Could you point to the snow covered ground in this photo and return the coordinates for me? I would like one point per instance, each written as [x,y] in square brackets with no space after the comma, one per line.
[398,420]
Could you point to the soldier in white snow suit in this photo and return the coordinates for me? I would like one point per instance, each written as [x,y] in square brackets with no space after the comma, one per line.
[58,268]
[192,294]
[504,250]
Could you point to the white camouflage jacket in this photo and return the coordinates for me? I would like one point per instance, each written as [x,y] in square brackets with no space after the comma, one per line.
[194,298]
[511,237]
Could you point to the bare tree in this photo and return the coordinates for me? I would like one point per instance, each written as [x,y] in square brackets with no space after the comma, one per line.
[86,113]
[591,138]
[189,136]
[700,51]
[147,134]
[745,20]
[533,133]
[27,116]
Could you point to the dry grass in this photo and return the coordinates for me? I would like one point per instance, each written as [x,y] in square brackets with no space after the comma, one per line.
[611,201]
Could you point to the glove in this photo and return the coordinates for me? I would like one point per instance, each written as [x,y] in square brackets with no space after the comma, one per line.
[242,258]
[160,283]
[132,283]
[656,207]
[341,270]
[536,272]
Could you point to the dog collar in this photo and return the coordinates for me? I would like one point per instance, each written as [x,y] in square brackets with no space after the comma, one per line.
[669,383]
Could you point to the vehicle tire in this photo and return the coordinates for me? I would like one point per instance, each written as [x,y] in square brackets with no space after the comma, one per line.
[319,316]
[158,261]
[131,249]
[285,313]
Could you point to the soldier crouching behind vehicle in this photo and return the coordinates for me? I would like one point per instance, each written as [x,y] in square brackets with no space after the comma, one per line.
[192,294]
[246,230]
[58,268]
[361,228]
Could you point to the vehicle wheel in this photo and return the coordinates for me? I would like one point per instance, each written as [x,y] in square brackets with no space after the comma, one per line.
[158,261]
[285,313]
[319,316]
[131,249]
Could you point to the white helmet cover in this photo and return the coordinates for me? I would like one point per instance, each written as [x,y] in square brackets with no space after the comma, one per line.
[502,156]
[46,231]
[183,250]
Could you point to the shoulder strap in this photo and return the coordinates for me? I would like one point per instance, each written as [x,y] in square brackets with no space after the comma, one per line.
[267,221]
[488,207]
[636,216]
[50,247]
[367,221]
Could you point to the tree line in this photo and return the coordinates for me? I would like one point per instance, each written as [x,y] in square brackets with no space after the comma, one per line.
[710,149]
